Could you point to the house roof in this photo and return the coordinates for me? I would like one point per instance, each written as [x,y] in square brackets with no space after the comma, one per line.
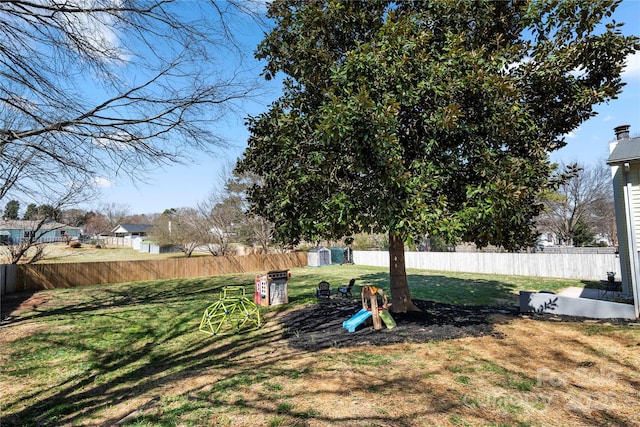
[625,151]
[131,228]
[20,224]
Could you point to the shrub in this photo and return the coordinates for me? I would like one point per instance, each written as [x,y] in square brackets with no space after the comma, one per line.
[74,244]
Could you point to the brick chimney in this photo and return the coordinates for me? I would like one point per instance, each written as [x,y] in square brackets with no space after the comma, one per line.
[622,132]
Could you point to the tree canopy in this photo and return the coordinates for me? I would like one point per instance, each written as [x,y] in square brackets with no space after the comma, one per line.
[418,118]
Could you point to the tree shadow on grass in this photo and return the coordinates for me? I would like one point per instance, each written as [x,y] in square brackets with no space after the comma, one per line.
[134,339]
[11,303]
[450,290]
[123,358]
[124,353]
[108,296]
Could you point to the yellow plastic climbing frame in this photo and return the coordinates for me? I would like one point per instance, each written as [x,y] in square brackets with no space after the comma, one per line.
[231,313]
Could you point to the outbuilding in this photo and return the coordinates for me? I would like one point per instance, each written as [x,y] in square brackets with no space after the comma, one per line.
[318,256]
[341,255]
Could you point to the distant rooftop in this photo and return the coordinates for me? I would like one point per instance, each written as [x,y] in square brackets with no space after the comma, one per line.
[20,224]
[132,228]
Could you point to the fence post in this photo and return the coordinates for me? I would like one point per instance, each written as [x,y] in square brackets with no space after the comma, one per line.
[8,278]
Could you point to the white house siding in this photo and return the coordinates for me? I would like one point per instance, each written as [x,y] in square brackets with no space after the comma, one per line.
[634,176]
[568,266]
[621,221]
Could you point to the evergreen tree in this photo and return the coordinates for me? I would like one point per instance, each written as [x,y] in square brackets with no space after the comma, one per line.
[11,209]
[32,212]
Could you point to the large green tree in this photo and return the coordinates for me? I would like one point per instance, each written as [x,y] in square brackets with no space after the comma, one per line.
[418,118]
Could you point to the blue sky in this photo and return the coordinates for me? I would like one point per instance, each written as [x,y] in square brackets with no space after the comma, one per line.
[186,185]
[590,142]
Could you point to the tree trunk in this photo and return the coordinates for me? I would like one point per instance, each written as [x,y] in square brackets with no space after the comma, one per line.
[400,295]
[375,314]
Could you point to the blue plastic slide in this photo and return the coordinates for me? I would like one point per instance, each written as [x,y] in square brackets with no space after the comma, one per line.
[357,319]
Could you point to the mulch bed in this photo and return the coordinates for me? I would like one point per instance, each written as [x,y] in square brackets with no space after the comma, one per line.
[320,325]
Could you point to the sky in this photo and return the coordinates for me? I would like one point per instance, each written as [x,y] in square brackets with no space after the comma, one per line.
[589,143]
[187,185]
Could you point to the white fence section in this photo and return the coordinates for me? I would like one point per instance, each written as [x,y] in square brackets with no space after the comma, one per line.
[115,241]
[587,266]
[136,242]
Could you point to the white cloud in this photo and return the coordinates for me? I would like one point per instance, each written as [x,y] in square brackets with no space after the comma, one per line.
[632,68]
[256,5]
[571,135]
[578,72]
[607,118]
[101,182]
[114,141]
[506,68]
[94,29]
[630,71]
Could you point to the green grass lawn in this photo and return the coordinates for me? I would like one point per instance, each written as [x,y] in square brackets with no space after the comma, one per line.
[70,360]
[446,287]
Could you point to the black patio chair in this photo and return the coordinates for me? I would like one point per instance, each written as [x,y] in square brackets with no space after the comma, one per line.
[345,291]
[323,290]
[609,289]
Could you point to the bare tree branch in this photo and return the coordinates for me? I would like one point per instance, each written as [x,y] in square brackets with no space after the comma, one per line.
[110,87]
[585,197]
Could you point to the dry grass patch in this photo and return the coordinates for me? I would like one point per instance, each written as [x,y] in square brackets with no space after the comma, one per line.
[539,373]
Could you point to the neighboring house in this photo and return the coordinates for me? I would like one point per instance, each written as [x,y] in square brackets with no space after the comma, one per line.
[546,239]
[603,239]
[131,230]
[16,231]
[624,160]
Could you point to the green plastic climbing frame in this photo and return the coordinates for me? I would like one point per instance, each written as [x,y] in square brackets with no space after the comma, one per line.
[231,313]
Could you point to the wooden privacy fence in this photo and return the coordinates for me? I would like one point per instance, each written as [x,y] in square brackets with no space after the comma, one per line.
[65,275]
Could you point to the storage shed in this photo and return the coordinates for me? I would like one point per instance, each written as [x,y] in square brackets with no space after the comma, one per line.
[318,257]
[342,255]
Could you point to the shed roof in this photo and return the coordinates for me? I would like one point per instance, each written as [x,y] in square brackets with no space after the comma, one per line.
[625,151]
